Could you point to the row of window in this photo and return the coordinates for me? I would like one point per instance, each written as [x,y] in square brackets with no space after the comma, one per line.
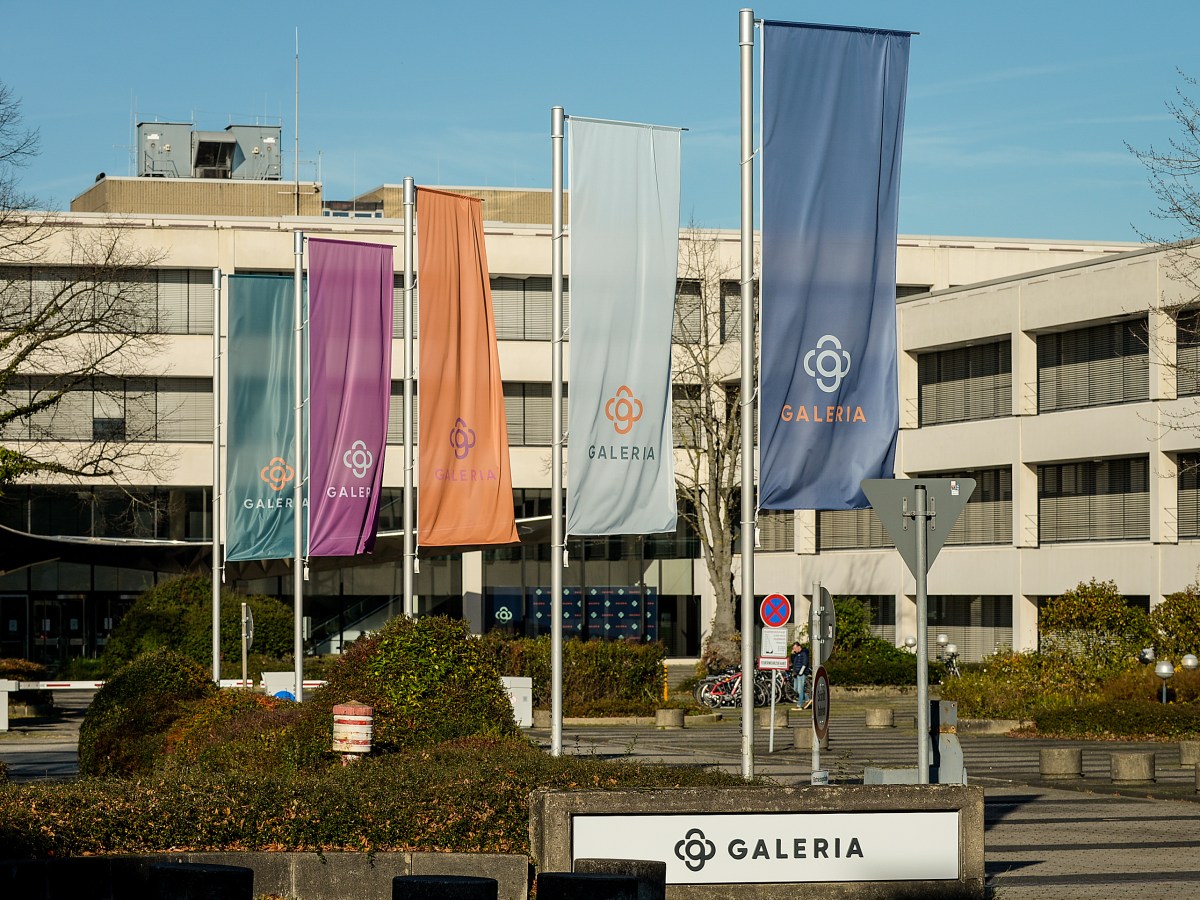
[1096,500]
[1094,366]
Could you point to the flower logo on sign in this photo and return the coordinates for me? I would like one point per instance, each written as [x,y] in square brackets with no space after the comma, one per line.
[623,410]
[462,439]
[358,459]
[277,473]
[695,850]
[828,363]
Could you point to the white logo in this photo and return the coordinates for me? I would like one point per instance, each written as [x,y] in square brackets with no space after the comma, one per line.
[504,614]
[358,459]
[832,363]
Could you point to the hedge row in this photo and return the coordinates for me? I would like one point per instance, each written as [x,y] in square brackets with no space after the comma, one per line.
[616,677]
[1122,719]
[465,796]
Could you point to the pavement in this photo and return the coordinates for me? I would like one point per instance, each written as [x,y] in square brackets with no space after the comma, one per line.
[1066,840]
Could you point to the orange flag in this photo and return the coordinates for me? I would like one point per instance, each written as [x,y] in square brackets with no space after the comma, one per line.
[465,481]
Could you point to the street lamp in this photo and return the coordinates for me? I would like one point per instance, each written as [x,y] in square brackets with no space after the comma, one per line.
[1190,661]
[942,640]
[1164,670]
[911,643]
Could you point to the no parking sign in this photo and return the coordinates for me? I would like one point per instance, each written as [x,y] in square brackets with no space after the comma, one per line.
[775,610]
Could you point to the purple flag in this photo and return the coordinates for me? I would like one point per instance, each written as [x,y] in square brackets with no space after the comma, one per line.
[350,374]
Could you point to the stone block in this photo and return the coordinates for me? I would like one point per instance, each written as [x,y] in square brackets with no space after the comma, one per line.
[443,887]
[650,873]
[668,718]
[802,738]
[1132,767]
[1060,762]
[1189,753]
[762,717]
[880,718]
[541,718]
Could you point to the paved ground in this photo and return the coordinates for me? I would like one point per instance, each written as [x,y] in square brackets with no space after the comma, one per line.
[1043,840]
[1082,840]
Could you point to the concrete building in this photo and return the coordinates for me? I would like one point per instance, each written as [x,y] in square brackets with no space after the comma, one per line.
[1008,354]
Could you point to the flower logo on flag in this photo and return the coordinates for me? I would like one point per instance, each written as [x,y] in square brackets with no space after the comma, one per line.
[277,473]
[358,459]
[623,410]
[462,439]
[828,363]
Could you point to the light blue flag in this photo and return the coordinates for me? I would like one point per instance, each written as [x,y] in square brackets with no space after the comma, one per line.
[261,468]
[624,189]
[833,116]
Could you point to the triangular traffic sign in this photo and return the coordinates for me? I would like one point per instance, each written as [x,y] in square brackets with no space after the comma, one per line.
[895,502]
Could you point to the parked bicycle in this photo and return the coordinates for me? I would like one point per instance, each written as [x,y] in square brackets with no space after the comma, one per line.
[724,690]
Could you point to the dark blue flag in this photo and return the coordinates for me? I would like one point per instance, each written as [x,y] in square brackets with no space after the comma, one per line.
[833,115]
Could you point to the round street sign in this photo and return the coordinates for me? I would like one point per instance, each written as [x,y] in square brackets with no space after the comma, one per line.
[775,610]
[820,705]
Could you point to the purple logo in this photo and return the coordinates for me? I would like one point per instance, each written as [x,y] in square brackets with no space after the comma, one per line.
[462,439]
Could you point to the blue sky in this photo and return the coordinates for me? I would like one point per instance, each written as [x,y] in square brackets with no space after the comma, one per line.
[1018,113]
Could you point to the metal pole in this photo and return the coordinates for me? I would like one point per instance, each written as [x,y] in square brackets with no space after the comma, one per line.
[410,202]
[922,572]
[815,626]
[557,542]
[296,166]
[245,649]
[746,44]
[215,527]
[298,493]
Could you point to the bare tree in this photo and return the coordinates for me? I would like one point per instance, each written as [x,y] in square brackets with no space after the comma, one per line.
[77,328]
[707,376]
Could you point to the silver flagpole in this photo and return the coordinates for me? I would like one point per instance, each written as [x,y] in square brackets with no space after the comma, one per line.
[557,545]
[410,202]
[298,495]
[746,43]
[216,488]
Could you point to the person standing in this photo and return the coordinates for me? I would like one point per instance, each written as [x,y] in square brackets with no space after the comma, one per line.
[800,674]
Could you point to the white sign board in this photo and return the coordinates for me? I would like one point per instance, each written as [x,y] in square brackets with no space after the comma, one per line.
[779,848]
[774,642]
[772,663]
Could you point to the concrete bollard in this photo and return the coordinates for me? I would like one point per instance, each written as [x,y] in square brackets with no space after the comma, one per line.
[1060,762]
[541,718]
[1132,767]
[802,738]
[184,881]
[1189,753]
[1198,779]
[586,886]
[762,717]
[668,718]
[650,873]
[881,718]
[444,887]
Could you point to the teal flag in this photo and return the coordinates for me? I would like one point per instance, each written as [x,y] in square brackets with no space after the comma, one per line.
[261,435]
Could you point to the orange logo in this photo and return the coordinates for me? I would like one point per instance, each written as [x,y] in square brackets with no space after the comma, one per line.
[623,410]
[277,473]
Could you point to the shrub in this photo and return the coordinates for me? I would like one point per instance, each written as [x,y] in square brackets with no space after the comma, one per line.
[466,796]
[1141,719]
[234,731]
[429,680]
[860,657]
[617,677]
[1093,630]
[1006,685]
[1176,625]
[13,669]
[124,731]
[178,614]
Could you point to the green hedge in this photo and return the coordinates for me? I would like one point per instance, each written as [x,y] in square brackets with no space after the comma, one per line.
[125,728]
[1130,719]
[599,677]
[465,796]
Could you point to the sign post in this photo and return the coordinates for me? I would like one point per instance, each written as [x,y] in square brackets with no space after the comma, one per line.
[896,502]
[821,624]
[775,612]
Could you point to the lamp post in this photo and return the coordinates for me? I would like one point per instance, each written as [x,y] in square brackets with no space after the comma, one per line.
[1164,670]
[942,640]
[1190,662]
[910,644]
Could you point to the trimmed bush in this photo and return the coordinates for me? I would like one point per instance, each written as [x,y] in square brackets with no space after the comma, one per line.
[468,796]
[234,731]
[124,731]
[1006,685]
[178,614]
[1176,625]
[429,680]
[599,677]
[1129,719]
[862,658]
[1093,630]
